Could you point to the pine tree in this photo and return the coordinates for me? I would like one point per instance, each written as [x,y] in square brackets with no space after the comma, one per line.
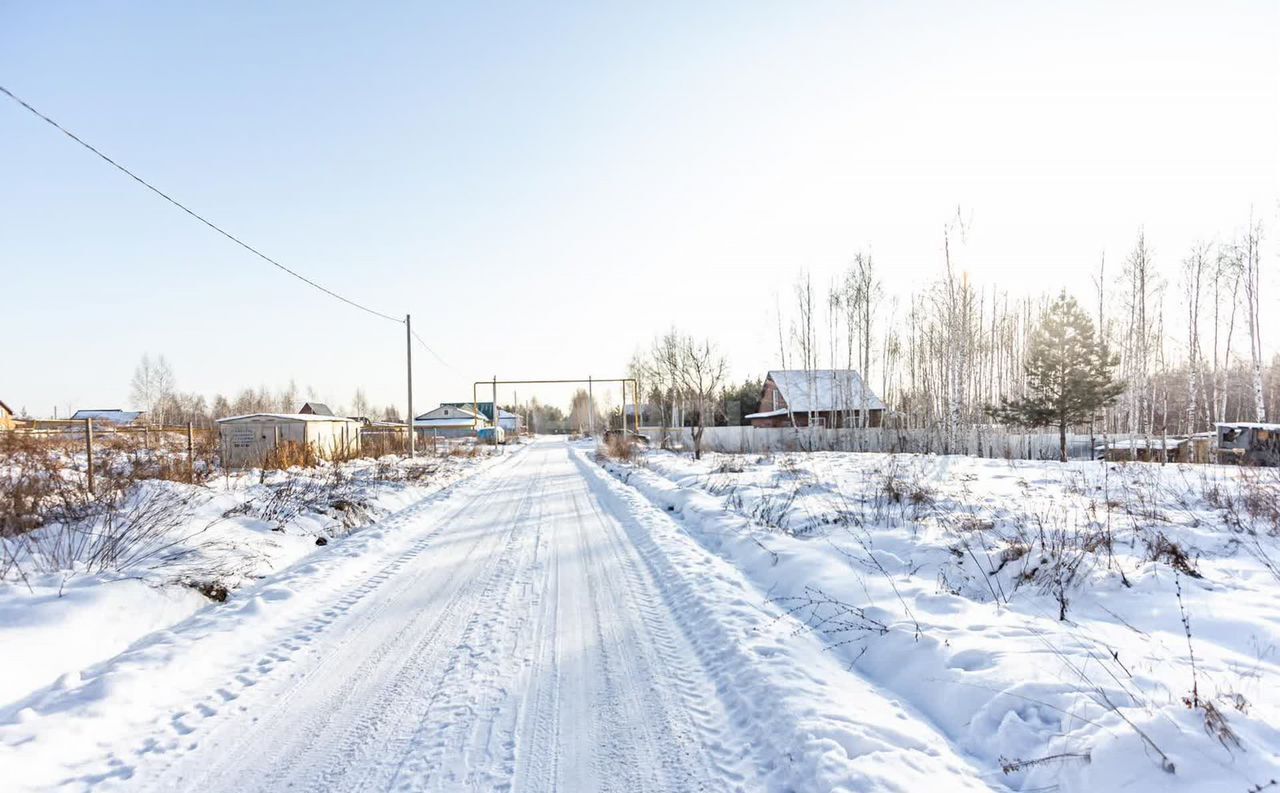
[1069,373]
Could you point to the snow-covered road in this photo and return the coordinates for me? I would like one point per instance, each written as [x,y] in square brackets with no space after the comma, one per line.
[525,631]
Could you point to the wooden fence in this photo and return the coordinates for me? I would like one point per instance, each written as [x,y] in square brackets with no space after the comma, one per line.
[94,433]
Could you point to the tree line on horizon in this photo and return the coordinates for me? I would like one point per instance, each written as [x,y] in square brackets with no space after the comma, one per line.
[1171,348]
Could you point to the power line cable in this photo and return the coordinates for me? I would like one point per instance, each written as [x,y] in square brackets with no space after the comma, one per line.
[211,225]
[427,347]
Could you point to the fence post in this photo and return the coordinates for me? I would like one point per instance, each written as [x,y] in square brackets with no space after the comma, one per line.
[146,437]
[191,453]
[88,443]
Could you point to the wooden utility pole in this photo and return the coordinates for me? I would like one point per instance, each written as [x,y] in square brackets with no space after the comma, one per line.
[408,354]
[191,452]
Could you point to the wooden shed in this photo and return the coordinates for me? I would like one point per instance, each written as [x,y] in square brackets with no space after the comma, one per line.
[247,441]
[6,417]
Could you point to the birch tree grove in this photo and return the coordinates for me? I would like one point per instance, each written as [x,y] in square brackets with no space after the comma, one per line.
[951,349]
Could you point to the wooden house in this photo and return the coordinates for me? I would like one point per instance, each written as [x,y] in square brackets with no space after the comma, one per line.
[822,398]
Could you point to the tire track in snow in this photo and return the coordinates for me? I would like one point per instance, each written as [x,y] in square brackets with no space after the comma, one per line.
[278,741]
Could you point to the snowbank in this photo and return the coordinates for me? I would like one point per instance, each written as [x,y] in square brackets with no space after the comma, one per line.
[940,581]
[223,535]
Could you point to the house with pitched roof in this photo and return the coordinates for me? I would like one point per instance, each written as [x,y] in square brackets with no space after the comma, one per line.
[315,409]
[820,398]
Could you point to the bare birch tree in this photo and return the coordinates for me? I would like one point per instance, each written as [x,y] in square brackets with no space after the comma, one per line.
[1251,267]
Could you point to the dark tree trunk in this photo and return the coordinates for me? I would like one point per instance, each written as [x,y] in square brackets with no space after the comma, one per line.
[1062,441]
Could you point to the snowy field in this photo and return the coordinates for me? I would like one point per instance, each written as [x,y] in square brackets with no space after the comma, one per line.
[552,619]
[1071,626]
[68,599]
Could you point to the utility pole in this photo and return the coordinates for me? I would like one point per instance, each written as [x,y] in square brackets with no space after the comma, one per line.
[591,410]
[408,356]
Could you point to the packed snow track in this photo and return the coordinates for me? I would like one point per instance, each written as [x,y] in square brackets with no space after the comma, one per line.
[523,631]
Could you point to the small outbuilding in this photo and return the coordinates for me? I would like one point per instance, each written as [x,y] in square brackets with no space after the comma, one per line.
[6,417]
[1248,443]
[248,441]
[1144,450]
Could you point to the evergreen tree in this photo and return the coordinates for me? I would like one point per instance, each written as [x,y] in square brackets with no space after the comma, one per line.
[1069,373]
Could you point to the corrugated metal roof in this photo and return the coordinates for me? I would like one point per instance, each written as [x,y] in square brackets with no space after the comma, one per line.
[824,389]
[443,423]
[114,415]
[287,417]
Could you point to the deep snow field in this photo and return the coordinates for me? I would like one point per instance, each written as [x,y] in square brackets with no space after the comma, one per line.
[858,621]
[217,536]
[1078,626]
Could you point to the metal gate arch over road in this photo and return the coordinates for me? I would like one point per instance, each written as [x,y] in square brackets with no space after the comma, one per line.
[591,412]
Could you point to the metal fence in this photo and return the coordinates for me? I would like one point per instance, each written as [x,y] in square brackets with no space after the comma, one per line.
[972,441]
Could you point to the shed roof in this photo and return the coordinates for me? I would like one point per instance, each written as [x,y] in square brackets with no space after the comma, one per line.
[113,415]
[287,417]
[824,389]
[442,423]
[6,408]
[1252,425]
[318,408]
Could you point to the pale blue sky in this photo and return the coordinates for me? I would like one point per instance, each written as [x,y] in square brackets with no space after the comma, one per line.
[686,159]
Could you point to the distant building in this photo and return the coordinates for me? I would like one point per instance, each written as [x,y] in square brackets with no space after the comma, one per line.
[1248,443]
[450,420]
[1145,450]
[510,422]
[6,417]
[315,409]
[822,397]
[248,440]
[116,416]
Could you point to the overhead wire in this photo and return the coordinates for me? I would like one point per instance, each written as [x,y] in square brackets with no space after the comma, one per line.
[199,217]
[427,347]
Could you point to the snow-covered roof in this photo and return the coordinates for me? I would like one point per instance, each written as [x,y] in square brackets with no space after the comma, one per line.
[768,414]
[442,423]
[1252,425]
[287,417]
[113,415]
[449,411]
[824,389]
